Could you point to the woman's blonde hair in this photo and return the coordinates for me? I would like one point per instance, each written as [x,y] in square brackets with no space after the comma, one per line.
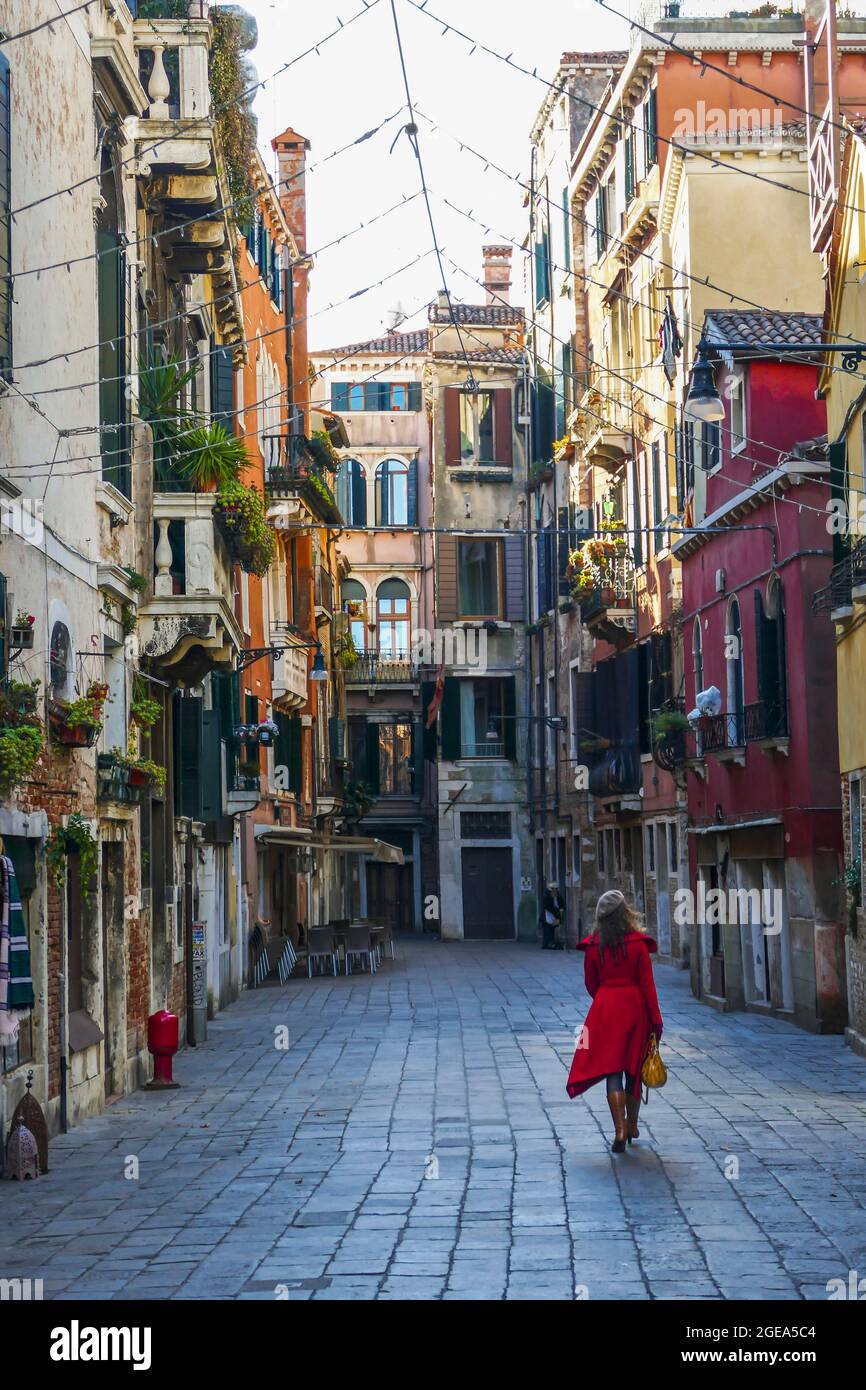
[614,919]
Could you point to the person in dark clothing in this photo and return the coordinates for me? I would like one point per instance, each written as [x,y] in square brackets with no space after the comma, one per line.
[552,913]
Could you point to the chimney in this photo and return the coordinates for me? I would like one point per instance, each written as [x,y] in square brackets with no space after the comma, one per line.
[496,269]
[291,149]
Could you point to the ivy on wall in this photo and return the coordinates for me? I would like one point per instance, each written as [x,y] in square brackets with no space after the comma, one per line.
[235,123]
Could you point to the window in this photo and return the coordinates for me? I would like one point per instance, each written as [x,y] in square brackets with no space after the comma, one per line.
[736,397]
[673,849]
[354,599]
[650,848]
[395,759]
[479,578]
[566,231]
[352,492]
[542,266]
[575,859]
[485,825]
[601,220]
[734,672]
[599,850]
[711,451]
[630,171]
[659,464]
[482,719]
[476,427]
[386,396]
[5,221]
[392,605]
[392,493]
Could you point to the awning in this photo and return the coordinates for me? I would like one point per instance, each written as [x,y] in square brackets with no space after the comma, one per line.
[294,837]
[722,826]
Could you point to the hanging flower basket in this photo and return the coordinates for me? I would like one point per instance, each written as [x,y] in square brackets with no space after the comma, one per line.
[267,733]
[74,735]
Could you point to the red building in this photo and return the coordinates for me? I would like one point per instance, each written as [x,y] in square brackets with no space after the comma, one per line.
[763,783]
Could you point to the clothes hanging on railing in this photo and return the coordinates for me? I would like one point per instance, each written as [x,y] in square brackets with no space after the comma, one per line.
[16,985]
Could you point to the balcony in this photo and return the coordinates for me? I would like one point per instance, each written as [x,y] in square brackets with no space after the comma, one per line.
[608,606]
[289,684]
[189,626]
[847,587]
[297,485]
[724,735]
[323,593]
[371,669]
[766,724]
[176,145]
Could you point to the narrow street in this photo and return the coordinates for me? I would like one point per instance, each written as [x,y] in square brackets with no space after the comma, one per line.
[414,1140]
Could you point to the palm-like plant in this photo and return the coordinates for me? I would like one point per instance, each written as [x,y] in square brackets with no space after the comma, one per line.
[189,450]
[210,457]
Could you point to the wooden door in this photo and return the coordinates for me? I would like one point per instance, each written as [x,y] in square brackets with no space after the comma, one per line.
[488,894]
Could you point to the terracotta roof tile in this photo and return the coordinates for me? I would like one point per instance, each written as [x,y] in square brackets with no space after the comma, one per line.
[477,313]
[397,343]
[758,326]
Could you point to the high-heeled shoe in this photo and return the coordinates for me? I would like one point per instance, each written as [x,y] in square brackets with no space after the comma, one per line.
[632,1110]
[616,1101]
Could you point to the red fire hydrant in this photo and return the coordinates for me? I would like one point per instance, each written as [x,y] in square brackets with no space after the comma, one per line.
[162,1043]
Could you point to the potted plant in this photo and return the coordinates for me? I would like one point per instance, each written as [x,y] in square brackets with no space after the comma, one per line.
[667,722]
[346,653]
[21,635]
[74,837]
[143,711]
[77,724]
[139,772]
[241,513]
[267,733]
[20,749]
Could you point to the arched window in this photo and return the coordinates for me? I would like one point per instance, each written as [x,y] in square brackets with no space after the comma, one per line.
[392,493]
[352,492]
[392,604]
[354,599]
[60,657]
[770,659]
[735,734]
[698,670]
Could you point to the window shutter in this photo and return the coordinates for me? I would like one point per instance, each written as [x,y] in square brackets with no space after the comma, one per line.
[629,165]
[650,129]
[509,707]
[296,755]
[679,468]
[372,769]
[337,734]
[760,645]
[412,512]
[502,427]
[359,496]
[417,757]
[564,547]
[544,413]
[210,766]
[339,395]
[187,755]
[415,398]
[5,221]
[110,285]
[515,594]
[566,230]
[446,579]
[838,483]
[222,387]
[637,519]
[428,690]
[449,718]
[451,404]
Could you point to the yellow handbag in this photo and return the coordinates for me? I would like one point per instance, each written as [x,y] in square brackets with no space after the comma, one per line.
[654,1073]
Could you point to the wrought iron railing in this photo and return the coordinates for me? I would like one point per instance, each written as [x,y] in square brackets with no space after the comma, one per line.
[613,586]
[371,669]
[670,746]
[765,719]
[721,731]
[844,577]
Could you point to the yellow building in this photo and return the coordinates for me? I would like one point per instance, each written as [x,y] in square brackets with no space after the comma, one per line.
[844,600]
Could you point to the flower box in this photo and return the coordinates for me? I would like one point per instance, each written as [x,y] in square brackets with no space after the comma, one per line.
[22,637]
[74,735]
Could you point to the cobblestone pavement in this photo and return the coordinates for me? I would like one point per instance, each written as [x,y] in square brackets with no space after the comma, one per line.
[415,1141]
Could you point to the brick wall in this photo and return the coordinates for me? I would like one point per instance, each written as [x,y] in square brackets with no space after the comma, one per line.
[856,945]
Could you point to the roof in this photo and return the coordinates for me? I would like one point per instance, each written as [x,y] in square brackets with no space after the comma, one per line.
[399,344]
[758,327]
[513,356]
[476,313]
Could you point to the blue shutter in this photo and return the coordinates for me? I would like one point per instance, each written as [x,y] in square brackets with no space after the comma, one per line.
[222,383]
[412,512]
[383,516]
[415,399]
[339,395]
[5,223]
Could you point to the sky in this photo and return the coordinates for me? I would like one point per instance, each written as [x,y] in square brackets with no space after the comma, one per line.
[354,82]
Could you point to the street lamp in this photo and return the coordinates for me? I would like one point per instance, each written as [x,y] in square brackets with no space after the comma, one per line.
[703,401]
[319,671]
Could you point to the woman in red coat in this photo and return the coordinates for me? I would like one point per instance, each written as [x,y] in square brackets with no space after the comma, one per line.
[624,1012]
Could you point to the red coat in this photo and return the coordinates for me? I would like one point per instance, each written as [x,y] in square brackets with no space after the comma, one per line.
[624,1011]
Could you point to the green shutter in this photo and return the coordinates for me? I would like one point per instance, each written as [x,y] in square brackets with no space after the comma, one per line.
[651,129]
[222,387]
[566,230]
[5,221]
[110,279]
[412,494]
[415,399]
[838,482]
[187,755]
[372,770]
[509,708]
[337,737]
[210,767]
[449,718]
[296,755]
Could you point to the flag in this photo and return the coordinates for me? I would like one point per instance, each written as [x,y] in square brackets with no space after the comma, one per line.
[436,701]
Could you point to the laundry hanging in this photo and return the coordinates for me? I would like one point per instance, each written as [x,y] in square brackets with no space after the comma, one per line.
[16,985]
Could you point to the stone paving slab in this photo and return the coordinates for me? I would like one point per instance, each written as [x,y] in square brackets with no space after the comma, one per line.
[415,1142]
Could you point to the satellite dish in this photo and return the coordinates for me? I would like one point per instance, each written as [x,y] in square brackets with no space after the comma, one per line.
[396,316]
